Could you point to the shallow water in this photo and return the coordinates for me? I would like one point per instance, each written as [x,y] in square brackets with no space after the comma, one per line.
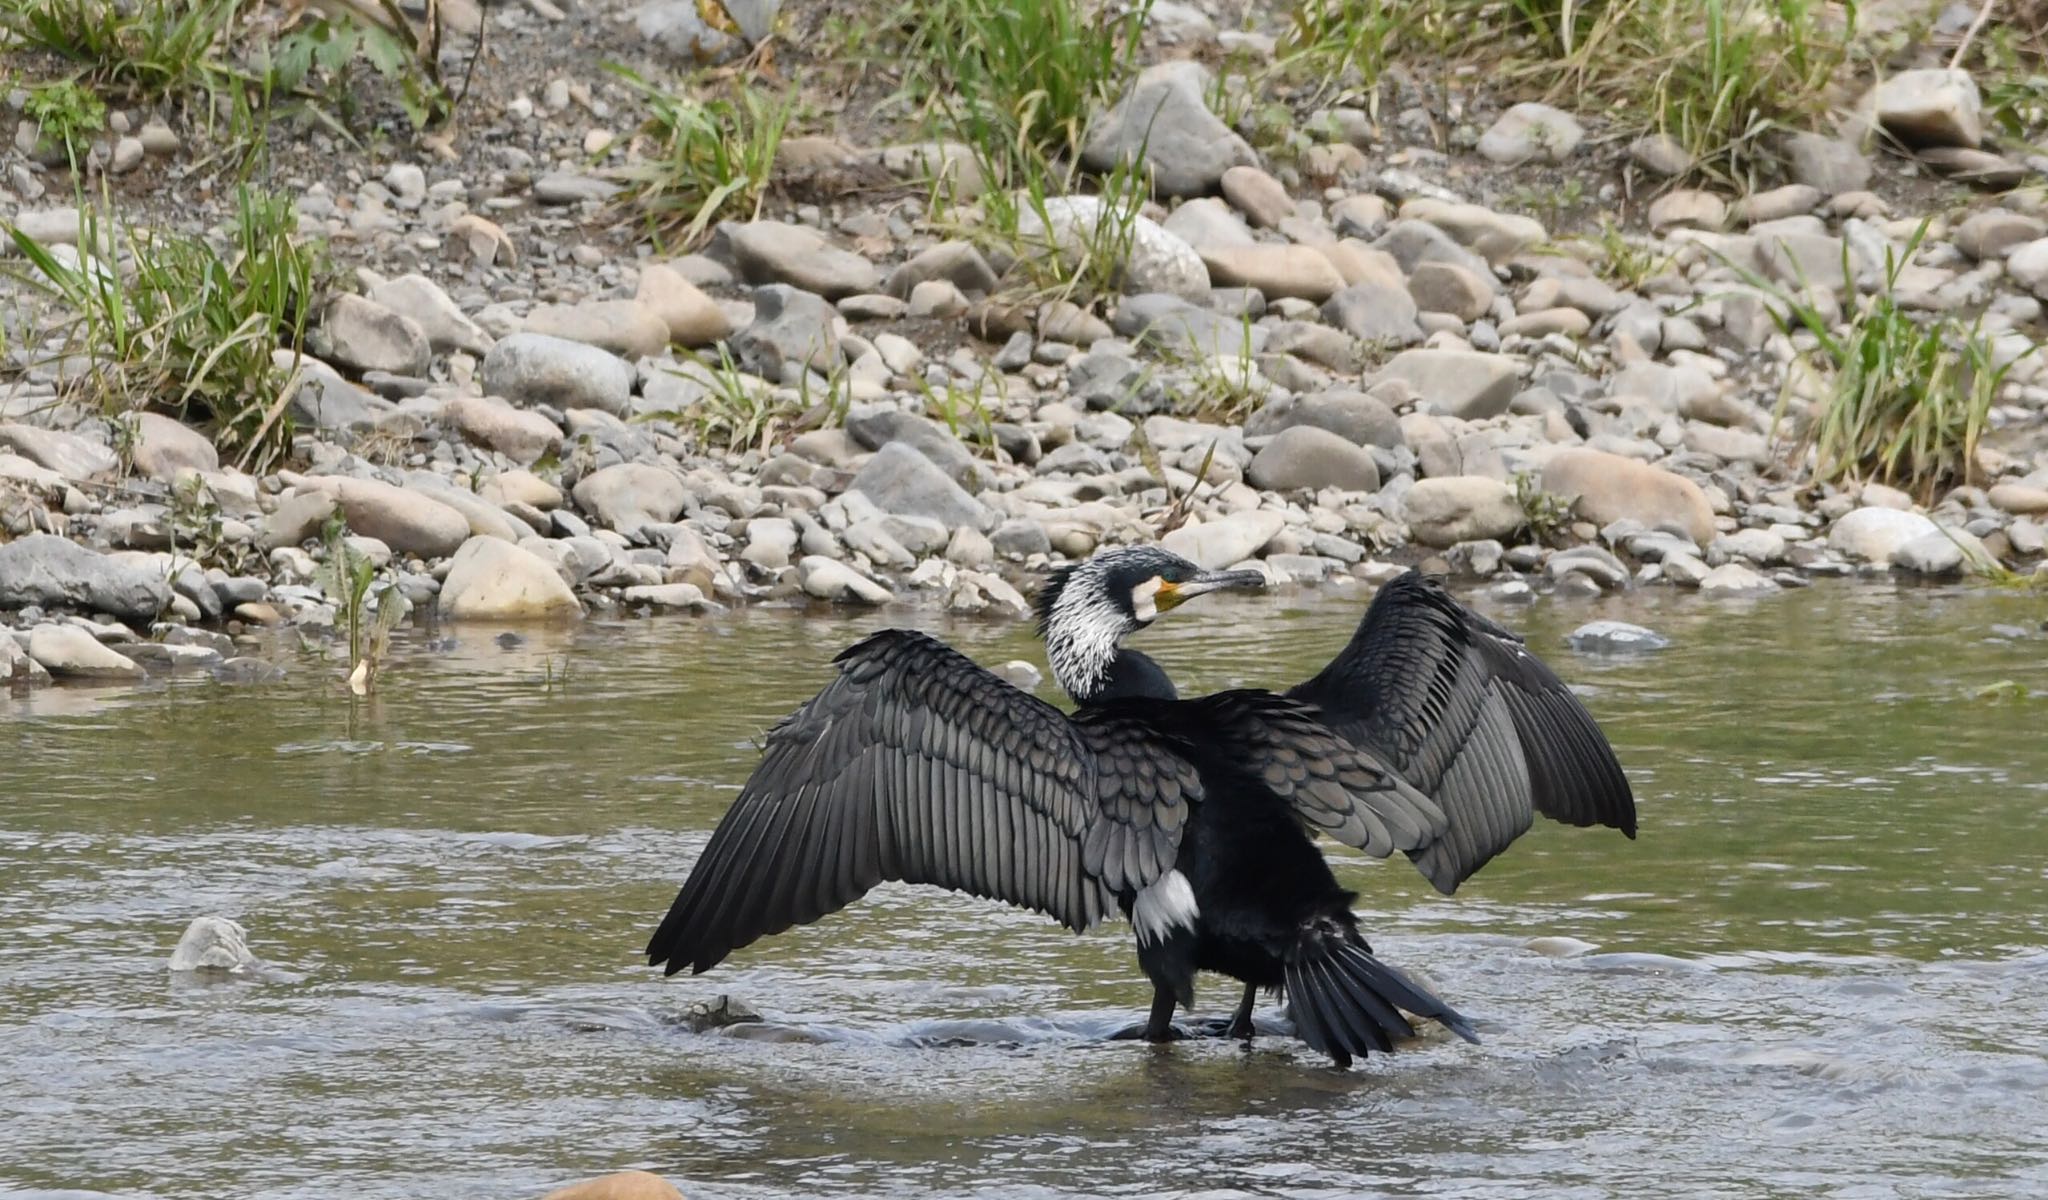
[1821,971]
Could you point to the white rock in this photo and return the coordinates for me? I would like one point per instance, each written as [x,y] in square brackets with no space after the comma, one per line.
[1735,579]
[829,580]
[1082,225]
[213,944]
[492,579]
[1224,542]
[70,652]
[1873,534]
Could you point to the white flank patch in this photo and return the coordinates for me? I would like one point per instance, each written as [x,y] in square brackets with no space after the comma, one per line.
[1165,905]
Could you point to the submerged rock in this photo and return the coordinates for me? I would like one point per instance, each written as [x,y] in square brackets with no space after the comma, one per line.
[1615,637]
[213,945]
[624,1185]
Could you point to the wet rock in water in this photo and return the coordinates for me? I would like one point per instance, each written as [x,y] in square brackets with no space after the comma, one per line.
[1931,107]
[1164,121]
[492,579]
[1021,675]
[1874,534]
[1531,131]
[1940,554]
[16,667]
[407,521]
[625,496]
[422,300]
[900,479]
[1307,457]
[624,1185]
[1227,541]
[716,1013]
[1155,260]
[172,657]
[362,335]
[248,670]
[213,945]
[164,447]
[667,595]
[1615,637]
[49,571]
[1559,947]
[1735,579]
[1608,487]
[830,580]
[626,328]
[790,326]
[532,368]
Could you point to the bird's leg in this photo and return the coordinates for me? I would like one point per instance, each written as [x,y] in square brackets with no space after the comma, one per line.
[1241,1022]
[1159,1026]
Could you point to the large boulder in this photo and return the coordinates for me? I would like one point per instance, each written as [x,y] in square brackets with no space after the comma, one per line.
[405,520]
[1461,508]
[49,571]
[901,480]
[533,368]
[1164,123]
[625,496]
[1216,544]
[1471,384]
[493,580]
[1304,456]
[1608,487]
[69,652]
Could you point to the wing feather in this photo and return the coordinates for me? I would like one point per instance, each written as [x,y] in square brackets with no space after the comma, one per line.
[916,764]
[1459,708]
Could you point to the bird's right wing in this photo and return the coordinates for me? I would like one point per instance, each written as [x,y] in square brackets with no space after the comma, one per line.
[1466,714]
[918,765]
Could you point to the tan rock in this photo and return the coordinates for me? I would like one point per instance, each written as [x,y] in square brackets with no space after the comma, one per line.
[407,521]
[521,487]
[1358,263]
[1609,487]
[492,579]
[1260,197]
[693,318]
[628,328]
[520,434]
[1278,271]
[2019,498]
[67,651]
[1449,288]
[164,447]
[1461,508]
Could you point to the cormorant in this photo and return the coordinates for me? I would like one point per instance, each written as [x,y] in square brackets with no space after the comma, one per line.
[1434,732]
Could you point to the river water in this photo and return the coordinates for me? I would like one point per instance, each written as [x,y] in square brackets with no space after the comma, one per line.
[1821,971]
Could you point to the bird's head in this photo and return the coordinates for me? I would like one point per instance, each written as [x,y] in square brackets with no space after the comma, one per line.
[1084,610]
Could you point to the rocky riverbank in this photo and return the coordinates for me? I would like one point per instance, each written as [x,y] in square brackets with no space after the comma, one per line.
[1333,362]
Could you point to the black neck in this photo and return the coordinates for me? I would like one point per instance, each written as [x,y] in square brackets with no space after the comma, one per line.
[1132,676]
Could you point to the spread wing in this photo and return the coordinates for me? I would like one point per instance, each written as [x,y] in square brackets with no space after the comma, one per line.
[1457,706]
[1334,784]
[916,764]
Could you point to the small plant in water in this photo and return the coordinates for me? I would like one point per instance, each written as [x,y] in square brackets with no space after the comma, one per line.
[348,578]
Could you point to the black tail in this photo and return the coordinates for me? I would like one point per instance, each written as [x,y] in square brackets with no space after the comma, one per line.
[1345,1002]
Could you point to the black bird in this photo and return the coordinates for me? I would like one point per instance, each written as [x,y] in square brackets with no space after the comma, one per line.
[1434,733]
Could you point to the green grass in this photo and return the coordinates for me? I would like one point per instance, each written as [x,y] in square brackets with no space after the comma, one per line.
[174,323]
[147,50]
[741,413]
[67,114]
[1909,396]
[711,158]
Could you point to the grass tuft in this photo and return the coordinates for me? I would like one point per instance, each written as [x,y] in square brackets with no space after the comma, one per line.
[181,326]
[1909,397]
[709,157]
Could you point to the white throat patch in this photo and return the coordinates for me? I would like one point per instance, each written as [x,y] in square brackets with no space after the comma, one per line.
[1164,905]
[1082,636]
[1144,603]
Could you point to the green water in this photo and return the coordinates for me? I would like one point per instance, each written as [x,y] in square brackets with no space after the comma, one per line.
[1821,971]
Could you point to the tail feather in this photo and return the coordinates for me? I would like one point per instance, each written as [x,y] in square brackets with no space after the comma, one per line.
[1346,1003]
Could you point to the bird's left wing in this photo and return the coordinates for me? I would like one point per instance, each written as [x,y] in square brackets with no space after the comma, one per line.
[916,764]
